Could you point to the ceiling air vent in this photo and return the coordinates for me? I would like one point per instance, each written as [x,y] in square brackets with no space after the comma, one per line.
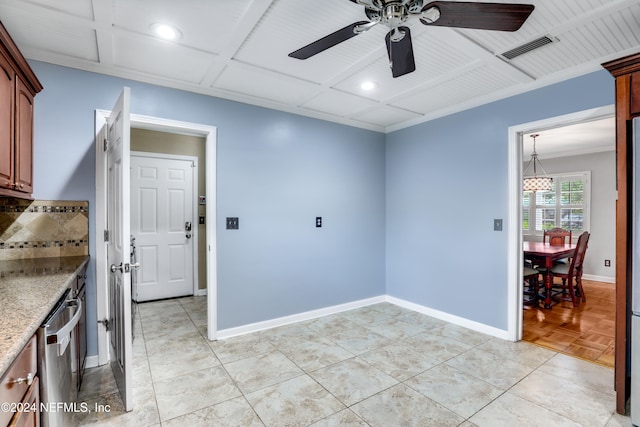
[528,47]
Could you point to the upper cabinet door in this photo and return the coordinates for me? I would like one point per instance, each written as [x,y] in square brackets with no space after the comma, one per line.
[7,86]
[24,138]
[18,86]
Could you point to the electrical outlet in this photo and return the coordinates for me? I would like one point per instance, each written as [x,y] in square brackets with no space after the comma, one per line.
[607,263]
[318,221]
[233,223]
[497,225]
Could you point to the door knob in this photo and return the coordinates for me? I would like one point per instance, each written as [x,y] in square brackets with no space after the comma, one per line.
[188,236]
[115,268]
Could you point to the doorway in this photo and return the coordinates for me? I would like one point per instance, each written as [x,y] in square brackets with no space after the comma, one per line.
[167,143]
[209,133]
[164,230]
[515,236]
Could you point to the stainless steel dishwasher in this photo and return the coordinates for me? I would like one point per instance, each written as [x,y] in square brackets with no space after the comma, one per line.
[57,378]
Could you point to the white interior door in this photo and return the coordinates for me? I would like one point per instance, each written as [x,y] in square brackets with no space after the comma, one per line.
[118,257]
[162,199]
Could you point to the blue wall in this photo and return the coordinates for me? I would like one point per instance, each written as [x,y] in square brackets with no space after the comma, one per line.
[408,214]
[275,171]
[446,182]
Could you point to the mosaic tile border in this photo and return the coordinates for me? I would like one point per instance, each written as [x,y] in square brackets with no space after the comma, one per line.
[43,209]
[51,244]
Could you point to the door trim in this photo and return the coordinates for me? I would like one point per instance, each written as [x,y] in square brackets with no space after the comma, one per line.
[514,221]
[194,213]
[163,125]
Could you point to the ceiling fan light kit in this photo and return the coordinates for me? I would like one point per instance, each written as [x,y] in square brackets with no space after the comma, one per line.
[394,13]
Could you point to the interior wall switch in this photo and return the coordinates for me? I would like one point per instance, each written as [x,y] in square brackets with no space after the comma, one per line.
[318,221]
[233,223]
[497,225]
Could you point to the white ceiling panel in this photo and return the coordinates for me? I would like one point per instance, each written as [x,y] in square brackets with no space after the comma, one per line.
[205,25]
[79,8]
[592,41]
[461,89]
[434,59]
[255,82]
[151,56]
[338,103]
[239,50]
[57,34]
[386,115]
[291,24]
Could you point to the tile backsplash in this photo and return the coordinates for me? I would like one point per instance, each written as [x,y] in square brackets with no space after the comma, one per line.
[43,228]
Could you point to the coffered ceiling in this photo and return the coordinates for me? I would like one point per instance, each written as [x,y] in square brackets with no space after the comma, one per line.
[238,50]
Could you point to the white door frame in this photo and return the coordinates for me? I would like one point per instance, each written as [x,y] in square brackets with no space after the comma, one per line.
[170,126]
[514,242]
[194,215]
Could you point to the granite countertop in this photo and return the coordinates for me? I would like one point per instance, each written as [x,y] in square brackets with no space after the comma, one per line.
[29,289]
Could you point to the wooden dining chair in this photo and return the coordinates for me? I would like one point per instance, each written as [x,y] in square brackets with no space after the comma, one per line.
[556,236]
[532,289]
[571,274]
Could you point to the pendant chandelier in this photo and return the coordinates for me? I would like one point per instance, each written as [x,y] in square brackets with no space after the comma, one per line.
[536,183]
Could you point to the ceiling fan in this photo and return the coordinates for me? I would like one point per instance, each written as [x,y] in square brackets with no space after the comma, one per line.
[393,13]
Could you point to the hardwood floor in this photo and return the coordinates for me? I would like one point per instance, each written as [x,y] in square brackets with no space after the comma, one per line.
[586,331]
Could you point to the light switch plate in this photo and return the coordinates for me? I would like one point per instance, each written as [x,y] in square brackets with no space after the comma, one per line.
[233,223]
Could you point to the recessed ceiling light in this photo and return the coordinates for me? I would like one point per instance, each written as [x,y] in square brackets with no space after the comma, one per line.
[166,32]
[368,85]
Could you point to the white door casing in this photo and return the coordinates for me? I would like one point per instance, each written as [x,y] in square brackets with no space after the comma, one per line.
[118,257]
[102,274]
[514,223]
[163,193]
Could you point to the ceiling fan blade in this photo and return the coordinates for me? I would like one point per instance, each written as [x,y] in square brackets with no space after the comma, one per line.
[481,16]
[328,41]
[400,53]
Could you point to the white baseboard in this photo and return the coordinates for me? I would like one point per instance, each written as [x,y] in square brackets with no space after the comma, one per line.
[200,293]
[456,320]
[300,317]
[91,362]
[599,278]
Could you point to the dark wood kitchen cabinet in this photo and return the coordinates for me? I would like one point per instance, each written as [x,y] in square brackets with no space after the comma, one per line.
[18,88]
[19,389]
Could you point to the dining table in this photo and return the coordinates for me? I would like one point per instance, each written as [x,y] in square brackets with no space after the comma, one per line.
[546,254]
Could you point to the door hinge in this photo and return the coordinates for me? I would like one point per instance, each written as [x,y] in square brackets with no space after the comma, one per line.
[106,236]
[106,324]
[105,141]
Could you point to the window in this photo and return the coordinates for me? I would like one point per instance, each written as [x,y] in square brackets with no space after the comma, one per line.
[565,206]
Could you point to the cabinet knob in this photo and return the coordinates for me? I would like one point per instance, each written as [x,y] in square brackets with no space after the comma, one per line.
[28,379]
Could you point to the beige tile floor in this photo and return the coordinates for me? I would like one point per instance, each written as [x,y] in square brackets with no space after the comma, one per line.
[380,365]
